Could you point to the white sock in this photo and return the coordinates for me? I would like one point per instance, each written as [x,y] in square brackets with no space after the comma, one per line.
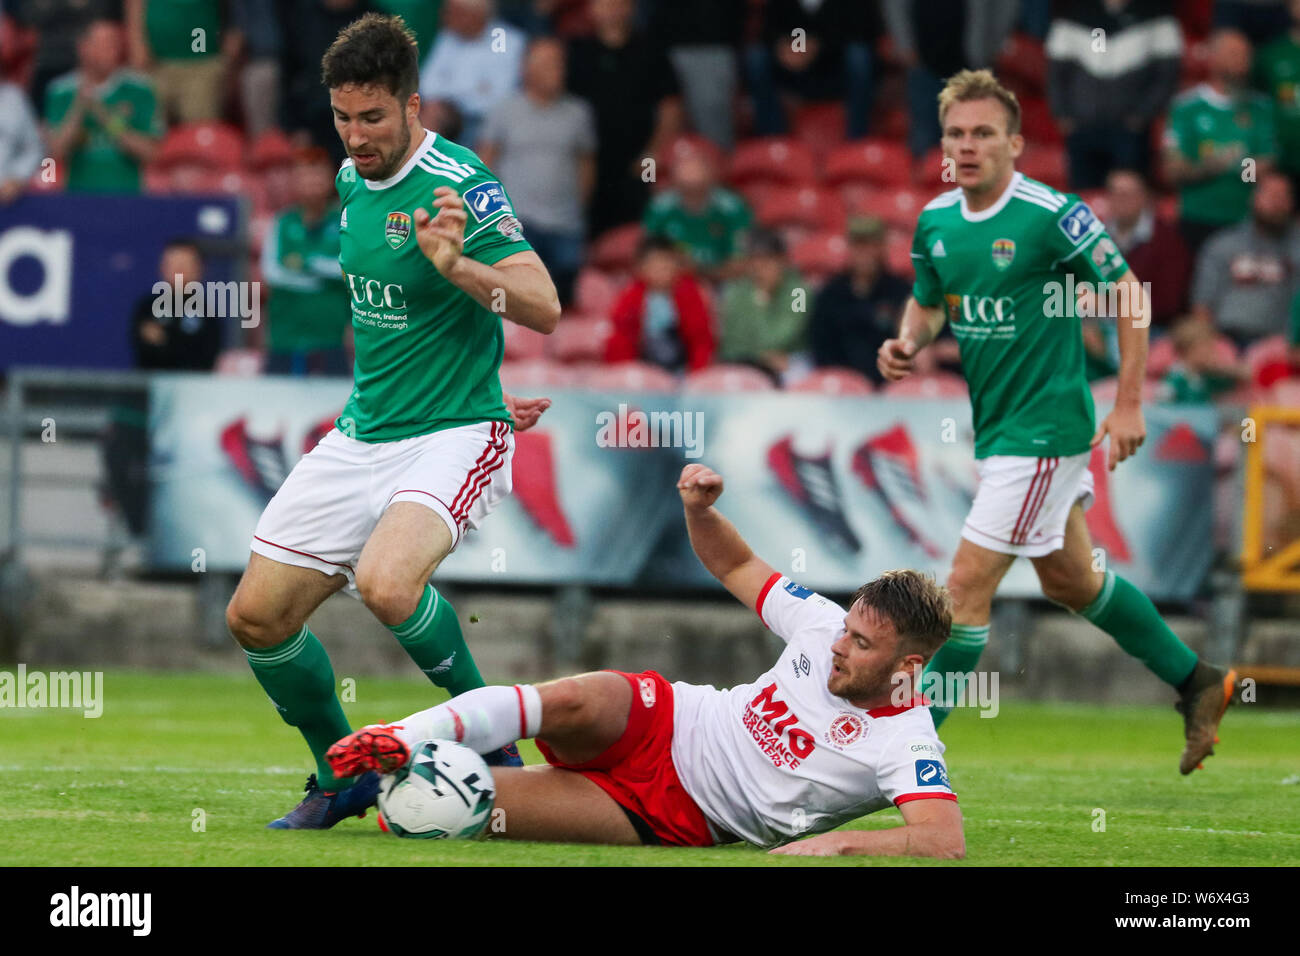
[484,719]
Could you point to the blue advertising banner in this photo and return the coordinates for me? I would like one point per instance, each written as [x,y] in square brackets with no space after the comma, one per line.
[830,490]
[74,267]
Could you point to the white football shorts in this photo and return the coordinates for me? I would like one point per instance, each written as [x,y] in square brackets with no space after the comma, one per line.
[326,509]
[1022,504]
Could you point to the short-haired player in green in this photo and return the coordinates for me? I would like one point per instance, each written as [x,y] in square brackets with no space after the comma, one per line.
[433,258]
[988,254]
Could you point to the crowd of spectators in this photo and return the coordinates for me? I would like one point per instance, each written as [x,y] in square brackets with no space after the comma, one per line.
[709,181]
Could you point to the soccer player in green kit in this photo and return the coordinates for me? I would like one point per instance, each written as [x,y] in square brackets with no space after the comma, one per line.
[433,259]
[988,255]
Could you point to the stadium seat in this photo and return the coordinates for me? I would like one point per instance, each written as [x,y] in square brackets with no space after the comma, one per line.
[772,159]
[615,249]
[1022,62]
[1038,125]
[271,148]
[729,378]
[821,255]
[215,145]
[899,206]
[757,191]
[898,254]
[814,208]
[537,373]
[522,344]
[1266,352]
[683,145]
[579,338]
[819,126]
[1160,356]
[630,377]
[934,385]
[594,291]
[928,173]
[1046,164]
[833,381]
[877,161]
[890,123]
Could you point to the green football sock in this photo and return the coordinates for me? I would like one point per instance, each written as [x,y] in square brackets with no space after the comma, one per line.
[297,676]
[959,655]
[1128,615]
[433,638]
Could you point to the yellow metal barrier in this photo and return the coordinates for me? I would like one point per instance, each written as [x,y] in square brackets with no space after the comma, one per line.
[1278,570]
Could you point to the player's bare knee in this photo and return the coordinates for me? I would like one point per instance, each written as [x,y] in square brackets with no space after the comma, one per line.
[565,705]
[1066,586]
[254,629]
[388,599]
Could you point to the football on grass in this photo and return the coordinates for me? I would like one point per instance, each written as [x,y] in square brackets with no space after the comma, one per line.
[444,792]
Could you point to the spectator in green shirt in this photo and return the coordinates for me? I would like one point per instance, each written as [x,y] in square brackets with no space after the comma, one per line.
[1213,130]
[309,312]
[1277,76]
[710,222]
[101,119]
[765,311]
[1200,374]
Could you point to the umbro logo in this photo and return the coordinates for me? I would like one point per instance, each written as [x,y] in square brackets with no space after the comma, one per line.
[801,666]
[937,251]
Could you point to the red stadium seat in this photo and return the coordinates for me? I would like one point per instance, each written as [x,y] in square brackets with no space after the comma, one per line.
[683,145]
[928,173]
[878,161]
[522,344]
[729,378]
[815,208]
[899,207]
[820,256]
[536,374]
[1037,123]
[615,249]
[272,148]
[579,338]
[1046,164]
[834,381]
[1160,357]
[890,123]
[934,385]
[898,254]
[1269,351]
[630,377]
[772,159]
[1023,63]
[215,145]
[819,126]
[594,291]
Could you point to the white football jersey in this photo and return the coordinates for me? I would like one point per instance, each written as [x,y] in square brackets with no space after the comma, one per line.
[783,757]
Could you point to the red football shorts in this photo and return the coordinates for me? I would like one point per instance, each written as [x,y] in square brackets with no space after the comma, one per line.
[637,770]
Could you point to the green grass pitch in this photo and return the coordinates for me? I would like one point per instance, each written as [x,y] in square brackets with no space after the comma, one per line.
[124,789]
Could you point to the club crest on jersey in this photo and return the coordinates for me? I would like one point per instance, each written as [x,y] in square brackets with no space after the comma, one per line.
[397,229]
[846,729]
[1004,250]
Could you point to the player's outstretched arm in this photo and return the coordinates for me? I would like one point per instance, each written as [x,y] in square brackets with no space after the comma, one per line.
[920,327]
[930,828]
[1125,425]
[716,541]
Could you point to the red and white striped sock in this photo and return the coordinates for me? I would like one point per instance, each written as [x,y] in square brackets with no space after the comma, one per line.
[484,719]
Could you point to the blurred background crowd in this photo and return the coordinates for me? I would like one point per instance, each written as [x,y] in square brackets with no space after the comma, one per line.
[724,190]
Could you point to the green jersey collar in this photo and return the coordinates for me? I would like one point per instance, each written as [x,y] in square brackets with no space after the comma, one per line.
[410,164]
[996,207]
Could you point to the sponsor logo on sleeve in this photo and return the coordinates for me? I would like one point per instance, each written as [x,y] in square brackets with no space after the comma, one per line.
[798,590]
[924,747]
[486,200]
[511,228]
[1078,222]
[931,773]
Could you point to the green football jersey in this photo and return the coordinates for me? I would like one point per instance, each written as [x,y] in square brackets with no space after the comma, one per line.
[300,263]
[427,354]
[1008,277]
[712,236]
[99,164]
[1202,122]
[183,29]
[1277,75]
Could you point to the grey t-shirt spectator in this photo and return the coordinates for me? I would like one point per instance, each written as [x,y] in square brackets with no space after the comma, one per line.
[1246,278]
[538,152]
[20,137]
